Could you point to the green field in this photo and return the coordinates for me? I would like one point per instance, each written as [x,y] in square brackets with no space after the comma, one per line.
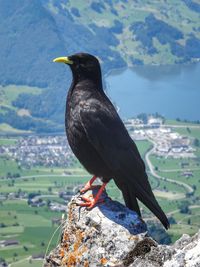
[132,12]
[188,131]
[174,169]
[32,226]
[171,164]
[27,263]
[178,123]
[6,128]
[8,141]
[143,147]
[9,93]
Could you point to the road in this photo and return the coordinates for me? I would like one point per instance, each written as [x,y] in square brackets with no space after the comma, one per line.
[50,175]
[188,188]
[181,126]
[20,261]
[178,170]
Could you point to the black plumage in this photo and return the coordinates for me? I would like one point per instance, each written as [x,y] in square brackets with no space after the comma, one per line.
[99,139]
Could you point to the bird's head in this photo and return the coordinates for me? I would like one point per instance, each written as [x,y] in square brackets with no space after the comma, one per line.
[84,66]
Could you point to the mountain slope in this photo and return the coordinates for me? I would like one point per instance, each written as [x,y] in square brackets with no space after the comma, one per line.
[121,33]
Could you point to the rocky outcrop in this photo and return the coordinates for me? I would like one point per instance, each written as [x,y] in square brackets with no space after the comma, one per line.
[112,235]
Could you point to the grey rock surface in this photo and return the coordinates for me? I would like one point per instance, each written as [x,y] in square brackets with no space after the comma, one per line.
[112,235]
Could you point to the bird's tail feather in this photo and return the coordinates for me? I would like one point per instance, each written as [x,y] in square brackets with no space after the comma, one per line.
[130,200]
[148,199]
[142,191]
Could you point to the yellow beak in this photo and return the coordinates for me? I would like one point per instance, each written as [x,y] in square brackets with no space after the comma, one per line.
[65,60]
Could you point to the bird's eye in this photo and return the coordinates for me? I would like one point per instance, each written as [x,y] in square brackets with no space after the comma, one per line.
[74,59]
[77,61]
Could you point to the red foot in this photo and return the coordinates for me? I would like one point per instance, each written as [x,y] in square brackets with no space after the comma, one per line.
[88,185]
[91,201]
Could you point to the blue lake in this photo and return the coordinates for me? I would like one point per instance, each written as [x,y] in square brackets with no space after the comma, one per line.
[172,91]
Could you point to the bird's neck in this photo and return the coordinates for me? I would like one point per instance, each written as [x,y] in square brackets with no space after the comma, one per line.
[86,83]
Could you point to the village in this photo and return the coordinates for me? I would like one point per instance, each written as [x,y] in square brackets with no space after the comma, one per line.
[54,151]
[167,143]
[48,151]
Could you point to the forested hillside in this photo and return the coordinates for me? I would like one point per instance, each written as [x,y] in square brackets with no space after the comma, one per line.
[121,33]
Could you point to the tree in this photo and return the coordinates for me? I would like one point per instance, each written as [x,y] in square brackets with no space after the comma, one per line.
[188,130]
[194,186]
[184,207]
[15,255]
[9,175]
[25,248]
[143,117]
[50,189]
[196,142]
[172,220]
[48,202]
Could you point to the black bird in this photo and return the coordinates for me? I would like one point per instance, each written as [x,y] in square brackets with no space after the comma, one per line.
[99,139]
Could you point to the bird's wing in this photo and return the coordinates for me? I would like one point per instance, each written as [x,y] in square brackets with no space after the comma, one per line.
[107,134]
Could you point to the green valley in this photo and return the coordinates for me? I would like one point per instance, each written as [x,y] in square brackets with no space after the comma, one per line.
[34,195]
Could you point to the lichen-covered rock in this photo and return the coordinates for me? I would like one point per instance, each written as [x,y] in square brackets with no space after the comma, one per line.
[112,235]
[103,236]
[187,252]
[184,253]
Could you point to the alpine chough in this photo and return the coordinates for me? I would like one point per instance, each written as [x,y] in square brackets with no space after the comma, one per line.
[99,139]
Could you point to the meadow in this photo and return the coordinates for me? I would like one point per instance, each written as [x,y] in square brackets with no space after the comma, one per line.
[33,227]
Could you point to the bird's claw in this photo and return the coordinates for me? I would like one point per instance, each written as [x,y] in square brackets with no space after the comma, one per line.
[88,185]
[89,202]
[85,189]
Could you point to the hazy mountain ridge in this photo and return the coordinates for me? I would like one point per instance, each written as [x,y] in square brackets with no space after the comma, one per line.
[121,33]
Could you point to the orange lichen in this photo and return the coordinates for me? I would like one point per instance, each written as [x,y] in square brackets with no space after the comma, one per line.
[84,249]
[74,256]
[103,261]
[79,238]
[70,216]
[65,236]
[62,253]
[71,260]
[71,255]
[134,237]
[86,263]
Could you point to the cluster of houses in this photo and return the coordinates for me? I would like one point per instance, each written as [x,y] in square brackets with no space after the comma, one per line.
[9,242]
[51,151]
[171,144]
[66,195]
[167,142]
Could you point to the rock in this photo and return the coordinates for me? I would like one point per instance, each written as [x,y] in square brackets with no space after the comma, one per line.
[112,235]
[187,252]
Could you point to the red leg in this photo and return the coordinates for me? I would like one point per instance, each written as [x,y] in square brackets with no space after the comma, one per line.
[91,202]
[88,185]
